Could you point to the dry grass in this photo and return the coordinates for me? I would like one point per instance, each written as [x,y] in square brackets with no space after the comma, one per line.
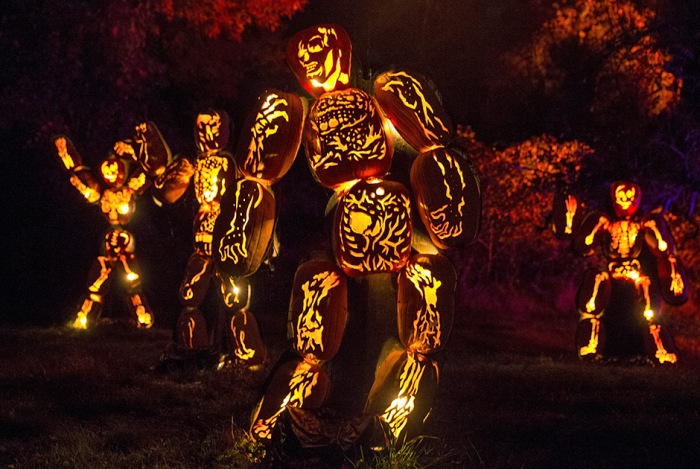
[512,394]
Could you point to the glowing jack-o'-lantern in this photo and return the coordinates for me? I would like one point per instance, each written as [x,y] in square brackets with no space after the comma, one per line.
[113,172]
[271,137]
[345,138]
[243,229]
[191,330]
[295,383]
[414,109]
[567,215]
[448,197]
[593,295]
[372,228]
[244,339]
[425,303]
[402,393]
[212,130]
[318,309]
[320,58]
[626,198]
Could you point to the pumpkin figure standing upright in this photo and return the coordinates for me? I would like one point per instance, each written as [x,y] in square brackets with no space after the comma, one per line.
[374,234]
[629,280]
[117,202]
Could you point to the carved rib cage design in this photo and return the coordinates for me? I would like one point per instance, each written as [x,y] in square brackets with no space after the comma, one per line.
[446,221]
[210,178]
[117,205]
[410,92]
[623,234]
[349,128]
[301,385]
[374,230]
[209,135]
[427,327]
[273,109]
[309,333]
[234,244]
[396,415]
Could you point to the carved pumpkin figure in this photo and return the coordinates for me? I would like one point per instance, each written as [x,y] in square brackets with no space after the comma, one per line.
[623,239]
[117,203]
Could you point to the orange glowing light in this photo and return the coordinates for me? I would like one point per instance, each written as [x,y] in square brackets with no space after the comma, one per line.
[396,415]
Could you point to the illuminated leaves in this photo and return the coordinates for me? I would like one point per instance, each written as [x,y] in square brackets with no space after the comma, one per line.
[625,57]
[231,17]
[521,180]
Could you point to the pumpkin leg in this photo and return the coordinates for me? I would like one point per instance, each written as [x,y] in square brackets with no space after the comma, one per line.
[590,336]
[140,311]
[660,346]
[99,283]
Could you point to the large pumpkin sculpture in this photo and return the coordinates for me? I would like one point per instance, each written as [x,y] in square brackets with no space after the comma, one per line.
[349,149]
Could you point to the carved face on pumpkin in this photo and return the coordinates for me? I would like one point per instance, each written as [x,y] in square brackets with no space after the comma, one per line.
[320,57]
[113,172]
[211,131]
[626,198]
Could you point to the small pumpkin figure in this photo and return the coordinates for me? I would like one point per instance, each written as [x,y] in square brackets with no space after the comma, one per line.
[318,309]
[425,303]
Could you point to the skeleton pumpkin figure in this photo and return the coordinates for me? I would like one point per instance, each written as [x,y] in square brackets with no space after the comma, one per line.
[349,148]
[629,280]
[116,200]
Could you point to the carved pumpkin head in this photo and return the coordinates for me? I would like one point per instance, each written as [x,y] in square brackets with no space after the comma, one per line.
[372,231]
[414,109]
[425,303]
[320,58]
[271,137]
[243,229]
[448,196]
[113,172]
[345,138]
[626,198]
[212,131]
[318,309]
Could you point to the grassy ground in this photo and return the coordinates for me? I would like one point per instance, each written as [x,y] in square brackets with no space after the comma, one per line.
[512,394]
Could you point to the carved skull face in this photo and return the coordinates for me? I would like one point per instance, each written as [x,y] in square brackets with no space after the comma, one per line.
[626,198]
[320,57]
[113,172]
